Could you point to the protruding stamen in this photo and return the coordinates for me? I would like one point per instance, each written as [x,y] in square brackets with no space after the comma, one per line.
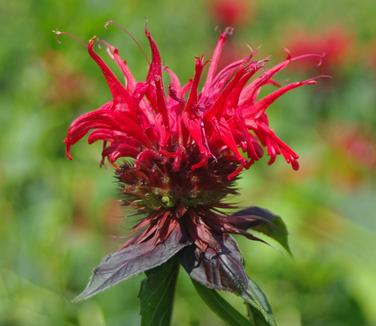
[71,36]
[288,52]
[109,47]
[122,28]
[252,51]
[229,31]
[322,57]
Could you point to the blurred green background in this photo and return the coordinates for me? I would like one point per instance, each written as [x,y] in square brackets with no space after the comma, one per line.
[58,218]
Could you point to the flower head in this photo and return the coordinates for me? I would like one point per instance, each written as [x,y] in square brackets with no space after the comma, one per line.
[186,146]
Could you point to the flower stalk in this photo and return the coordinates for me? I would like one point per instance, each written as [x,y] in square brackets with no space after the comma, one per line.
[157,294]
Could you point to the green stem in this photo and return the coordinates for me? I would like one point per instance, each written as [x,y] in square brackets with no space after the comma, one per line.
[221,307]
[157,294]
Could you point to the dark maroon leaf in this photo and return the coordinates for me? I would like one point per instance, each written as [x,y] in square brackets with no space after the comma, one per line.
[222,270]
[262,220]
[256,211]
[132,260]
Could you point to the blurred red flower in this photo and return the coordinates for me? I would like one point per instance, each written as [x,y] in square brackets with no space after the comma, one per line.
[358,146]
[334,44]
[67,86]
[371,55]
[230,12]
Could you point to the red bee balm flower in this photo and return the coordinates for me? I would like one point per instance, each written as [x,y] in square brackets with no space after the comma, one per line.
[186,148]
[334,44]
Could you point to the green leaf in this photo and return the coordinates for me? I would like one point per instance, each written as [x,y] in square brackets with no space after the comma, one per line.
[259,309]
[157,294]
[256,316]
[220,306]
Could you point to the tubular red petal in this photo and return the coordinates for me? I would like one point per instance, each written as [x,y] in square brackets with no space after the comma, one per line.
[227,71]
[258,108]
[225,134]
[119,93]
[155,69]
[194,88]
[115,151]
[276,146]
[194,127]
[161,105]
[131,81]
[251,90]
[175,82]
[215,58]
[218,106]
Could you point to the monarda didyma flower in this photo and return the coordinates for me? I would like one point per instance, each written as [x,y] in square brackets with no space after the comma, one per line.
[177,154]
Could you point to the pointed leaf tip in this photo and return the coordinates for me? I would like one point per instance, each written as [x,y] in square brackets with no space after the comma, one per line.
[130,261]
[259,307]
[268,223]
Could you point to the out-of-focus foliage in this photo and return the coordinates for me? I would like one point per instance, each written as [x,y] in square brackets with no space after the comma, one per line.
[58,218]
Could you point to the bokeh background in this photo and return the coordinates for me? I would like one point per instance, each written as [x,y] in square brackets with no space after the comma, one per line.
[59,217]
